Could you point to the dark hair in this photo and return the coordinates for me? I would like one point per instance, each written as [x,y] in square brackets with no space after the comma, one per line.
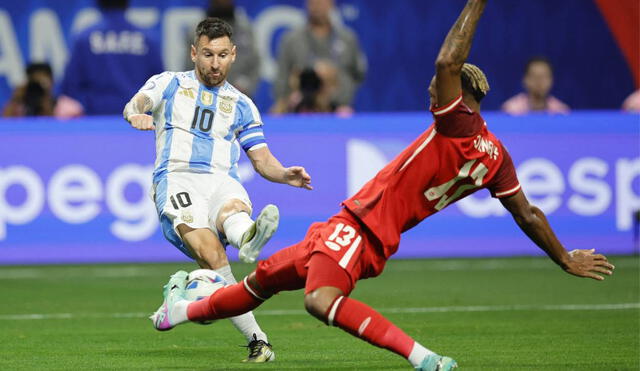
[310,85]
[537,59]
[474,81]
[212,28]
[33,99]
[35,95]
[310,82]
[222,9]
[113,4]
[35,67]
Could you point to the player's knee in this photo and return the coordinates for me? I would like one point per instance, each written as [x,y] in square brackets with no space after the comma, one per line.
[231,207]
[313,305]
[256,289]
[318,301]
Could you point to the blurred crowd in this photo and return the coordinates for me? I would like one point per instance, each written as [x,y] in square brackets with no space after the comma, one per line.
[320,66]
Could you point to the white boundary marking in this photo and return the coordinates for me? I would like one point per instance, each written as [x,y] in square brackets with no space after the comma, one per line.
[422,265]
[476,308]
[9,273]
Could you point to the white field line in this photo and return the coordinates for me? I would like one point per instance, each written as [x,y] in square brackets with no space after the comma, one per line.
[296,312]
[10,273]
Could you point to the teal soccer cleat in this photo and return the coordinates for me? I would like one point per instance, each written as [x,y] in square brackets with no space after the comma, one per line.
[173,292]
[435,362]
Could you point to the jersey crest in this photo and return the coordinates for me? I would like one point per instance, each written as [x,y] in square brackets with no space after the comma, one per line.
[206,98]
[224,105]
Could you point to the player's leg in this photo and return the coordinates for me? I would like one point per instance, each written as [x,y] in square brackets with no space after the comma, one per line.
[184,219]
[209,253]
[204,247]
[327,289]
[245,234]
[229,301]
[185,214]
[207,250]
[233,219]
[284,270]
[230,200]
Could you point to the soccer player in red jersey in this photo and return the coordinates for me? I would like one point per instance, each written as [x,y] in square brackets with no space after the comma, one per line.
[456,156]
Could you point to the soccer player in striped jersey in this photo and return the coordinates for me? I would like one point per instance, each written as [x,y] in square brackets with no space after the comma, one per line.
[201,121]
[456,156]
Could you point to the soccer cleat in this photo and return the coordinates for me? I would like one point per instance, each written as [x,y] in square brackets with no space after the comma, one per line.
[259,233]
[435,362]
[173,292]
[260,351]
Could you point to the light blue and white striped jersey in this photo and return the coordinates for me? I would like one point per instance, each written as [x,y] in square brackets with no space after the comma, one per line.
[200,129]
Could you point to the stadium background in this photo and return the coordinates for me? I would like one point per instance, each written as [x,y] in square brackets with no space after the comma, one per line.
[400,38]
[65,186]
[75,192]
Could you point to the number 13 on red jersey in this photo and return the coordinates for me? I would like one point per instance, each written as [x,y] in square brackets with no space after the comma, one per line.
[344,236]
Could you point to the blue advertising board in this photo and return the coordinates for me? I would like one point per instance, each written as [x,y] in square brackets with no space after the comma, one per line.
[77,191]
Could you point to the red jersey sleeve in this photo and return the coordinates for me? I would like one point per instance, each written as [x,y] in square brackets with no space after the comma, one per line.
[505,183]
[456,119]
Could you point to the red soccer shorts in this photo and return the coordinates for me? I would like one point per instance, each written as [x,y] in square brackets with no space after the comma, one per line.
[348,253]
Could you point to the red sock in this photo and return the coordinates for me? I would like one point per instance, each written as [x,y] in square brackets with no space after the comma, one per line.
[362,321]
[227,302]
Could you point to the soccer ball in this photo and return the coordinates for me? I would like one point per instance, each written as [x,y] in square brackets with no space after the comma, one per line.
[202,283]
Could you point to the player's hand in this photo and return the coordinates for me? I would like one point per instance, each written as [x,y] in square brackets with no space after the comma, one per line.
[585,263]
[141,121]
[297,176]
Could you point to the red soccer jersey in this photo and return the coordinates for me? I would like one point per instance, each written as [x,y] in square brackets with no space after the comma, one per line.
[455,157]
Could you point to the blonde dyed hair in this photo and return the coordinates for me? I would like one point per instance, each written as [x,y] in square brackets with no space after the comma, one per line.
[474,81]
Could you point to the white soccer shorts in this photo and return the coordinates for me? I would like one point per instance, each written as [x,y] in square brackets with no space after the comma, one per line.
[194,199]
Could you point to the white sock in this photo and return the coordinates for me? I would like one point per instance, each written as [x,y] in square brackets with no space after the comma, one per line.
[245,323]
[179,312]
[235,226]
[418,353]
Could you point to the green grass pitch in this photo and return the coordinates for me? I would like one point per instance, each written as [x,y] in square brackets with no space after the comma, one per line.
[488,314]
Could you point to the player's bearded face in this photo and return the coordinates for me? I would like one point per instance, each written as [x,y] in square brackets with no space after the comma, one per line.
[213,59]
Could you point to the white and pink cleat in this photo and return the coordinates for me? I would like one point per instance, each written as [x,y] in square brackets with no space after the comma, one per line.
[164,318]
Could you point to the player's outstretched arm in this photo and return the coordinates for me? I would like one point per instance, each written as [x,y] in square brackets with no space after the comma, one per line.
[135,112]
[455,50]
[265,163]
[533,222]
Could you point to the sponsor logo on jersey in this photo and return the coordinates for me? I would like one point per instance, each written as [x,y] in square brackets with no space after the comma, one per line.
[206,98]
[187,93]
